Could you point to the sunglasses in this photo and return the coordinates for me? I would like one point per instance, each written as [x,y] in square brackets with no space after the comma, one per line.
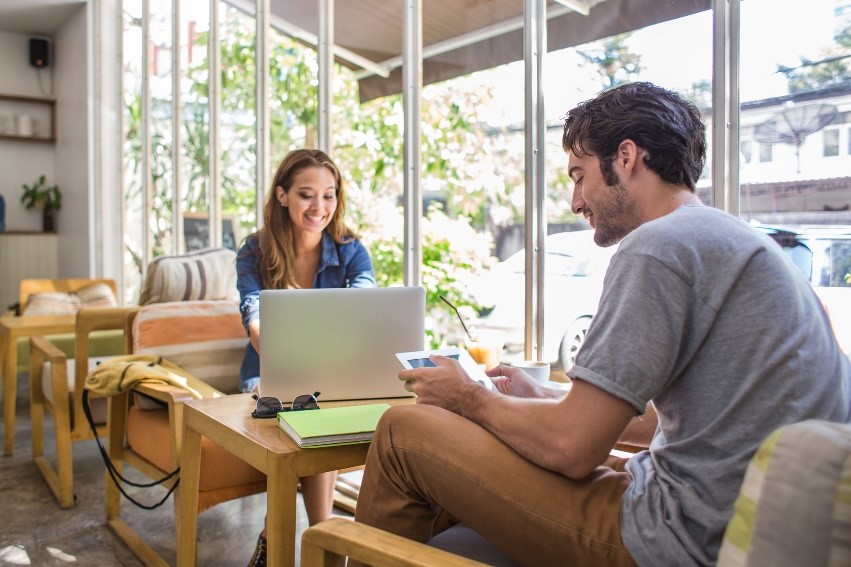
[269,406]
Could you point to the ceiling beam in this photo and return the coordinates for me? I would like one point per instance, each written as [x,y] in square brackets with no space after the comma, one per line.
[291,30]
[478,35]
[576,6]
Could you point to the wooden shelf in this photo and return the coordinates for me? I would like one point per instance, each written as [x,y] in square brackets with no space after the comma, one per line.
[42,110]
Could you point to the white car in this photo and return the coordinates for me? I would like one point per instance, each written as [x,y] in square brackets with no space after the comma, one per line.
[574,267]
[823,254]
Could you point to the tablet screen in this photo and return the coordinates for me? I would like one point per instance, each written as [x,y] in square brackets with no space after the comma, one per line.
[424,362]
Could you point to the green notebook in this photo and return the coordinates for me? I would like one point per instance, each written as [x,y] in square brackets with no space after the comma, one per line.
[332,426]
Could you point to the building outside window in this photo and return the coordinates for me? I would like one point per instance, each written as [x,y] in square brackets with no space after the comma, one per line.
[831,143]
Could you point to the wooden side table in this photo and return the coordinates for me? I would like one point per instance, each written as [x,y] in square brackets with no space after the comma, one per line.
[261,443]
[12,328]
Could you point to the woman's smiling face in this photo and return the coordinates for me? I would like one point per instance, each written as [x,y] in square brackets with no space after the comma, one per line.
[311,200]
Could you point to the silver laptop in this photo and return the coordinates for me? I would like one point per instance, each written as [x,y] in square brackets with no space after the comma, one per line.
[340,342]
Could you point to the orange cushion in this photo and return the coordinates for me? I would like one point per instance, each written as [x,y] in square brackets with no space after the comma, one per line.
[148,435]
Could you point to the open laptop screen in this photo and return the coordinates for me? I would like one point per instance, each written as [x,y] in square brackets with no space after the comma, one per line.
[339,341]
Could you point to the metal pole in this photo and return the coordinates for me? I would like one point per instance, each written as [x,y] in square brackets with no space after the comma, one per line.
[733,40]
[720,102]
[534,40]
[326,72]
[262,108]
[177,244]
[412,83]
[145,138]
[214,65]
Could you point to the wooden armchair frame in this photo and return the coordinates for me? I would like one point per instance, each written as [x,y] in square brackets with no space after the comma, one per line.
[328,543]
[119,453]
[67,431]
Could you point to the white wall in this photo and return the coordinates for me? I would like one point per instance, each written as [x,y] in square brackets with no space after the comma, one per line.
[72,157]
[65,162]
[21,162]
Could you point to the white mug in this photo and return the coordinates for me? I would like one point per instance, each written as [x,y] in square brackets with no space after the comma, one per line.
[25,125]
[539,371]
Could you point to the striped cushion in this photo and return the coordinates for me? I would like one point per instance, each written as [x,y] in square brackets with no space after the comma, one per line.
[206,274]
[205,338]
[794,506]
[62,303]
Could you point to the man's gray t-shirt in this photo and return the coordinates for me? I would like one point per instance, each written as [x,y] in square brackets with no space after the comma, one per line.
[706,317]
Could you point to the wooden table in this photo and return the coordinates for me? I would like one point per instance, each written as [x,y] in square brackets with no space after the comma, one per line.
[261,443]
[12,328]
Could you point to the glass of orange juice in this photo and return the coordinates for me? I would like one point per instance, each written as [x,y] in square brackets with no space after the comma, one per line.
[486,347]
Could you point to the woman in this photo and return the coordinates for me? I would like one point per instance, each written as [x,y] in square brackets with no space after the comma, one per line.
[304,243]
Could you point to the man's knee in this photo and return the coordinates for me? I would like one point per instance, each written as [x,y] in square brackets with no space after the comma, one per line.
[410,421]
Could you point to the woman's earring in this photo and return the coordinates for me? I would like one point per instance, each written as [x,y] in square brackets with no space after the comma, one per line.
[284,205]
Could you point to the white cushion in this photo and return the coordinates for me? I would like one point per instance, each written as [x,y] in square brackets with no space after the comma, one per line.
[98,405]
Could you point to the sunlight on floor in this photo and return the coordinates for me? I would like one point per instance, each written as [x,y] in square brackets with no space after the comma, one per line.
[14,554]
[61,555]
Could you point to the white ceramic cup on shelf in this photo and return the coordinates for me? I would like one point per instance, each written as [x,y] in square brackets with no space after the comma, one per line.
[25,125]
[539,371]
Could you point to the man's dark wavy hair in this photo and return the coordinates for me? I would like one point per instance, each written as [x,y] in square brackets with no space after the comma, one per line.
[659,121]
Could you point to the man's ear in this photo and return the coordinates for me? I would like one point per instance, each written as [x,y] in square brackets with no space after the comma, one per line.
[628,155]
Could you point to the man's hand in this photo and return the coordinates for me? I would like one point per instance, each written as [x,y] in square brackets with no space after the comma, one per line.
[445,385]
[513,381]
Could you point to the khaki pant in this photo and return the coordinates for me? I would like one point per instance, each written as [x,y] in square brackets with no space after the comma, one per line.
[426,465]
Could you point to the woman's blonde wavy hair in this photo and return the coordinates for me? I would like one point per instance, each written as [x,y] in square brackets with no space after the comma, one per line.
[276,257]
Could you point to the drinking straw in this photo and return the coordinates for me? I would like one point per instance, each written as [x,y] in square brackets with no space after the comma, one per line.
[463,324]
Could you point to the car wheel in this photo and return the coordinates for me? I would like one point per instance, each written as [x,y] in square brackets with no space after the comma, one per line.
[573,339]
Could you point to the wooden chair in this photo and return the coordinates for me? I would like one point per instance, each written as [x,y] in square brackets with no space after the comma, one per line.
[102,343]
[59,389]
[56,385]
[207,339]
[328,543]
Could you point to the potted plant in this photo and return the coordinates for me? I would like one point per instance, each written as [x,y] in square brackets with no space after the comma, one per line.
[47,198]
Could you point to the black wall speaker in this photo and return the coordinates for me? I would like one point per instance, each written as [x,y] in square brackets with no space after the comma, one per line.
[39,53]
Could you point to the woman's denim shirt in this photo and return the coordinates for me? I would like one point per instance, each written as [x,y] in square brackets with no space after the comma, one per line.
[340,265]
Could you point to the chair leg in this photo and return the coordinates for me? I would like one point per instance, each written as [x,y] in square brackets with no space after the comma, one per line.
[116,421]
[37,402]
[61,479]
[64,460]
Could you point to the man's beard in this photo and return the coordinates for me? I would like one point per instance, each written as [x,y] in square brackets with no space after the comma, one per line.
[612,224]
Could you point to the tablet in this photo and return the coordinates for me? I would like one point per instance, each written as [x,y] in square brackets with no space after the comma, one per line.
[420,358]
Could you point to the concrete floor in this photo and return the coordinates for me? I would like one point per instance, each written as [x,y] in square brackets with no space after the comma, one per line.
[34,530]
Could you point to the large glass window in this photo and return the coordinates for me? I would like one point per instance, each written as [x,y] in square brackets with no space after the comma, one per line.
[134,167]
[473,170]
[795,98]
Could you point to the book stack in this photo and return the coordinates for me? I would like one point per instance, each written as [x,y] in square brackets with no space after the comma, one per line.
[342,425]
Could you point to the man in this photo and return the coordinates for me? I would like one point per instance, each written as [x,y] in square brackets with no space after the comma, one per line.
[701,316]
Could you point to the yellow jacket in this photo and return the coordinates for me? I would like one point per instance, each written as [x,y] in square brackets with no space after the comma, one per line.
[121,373]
